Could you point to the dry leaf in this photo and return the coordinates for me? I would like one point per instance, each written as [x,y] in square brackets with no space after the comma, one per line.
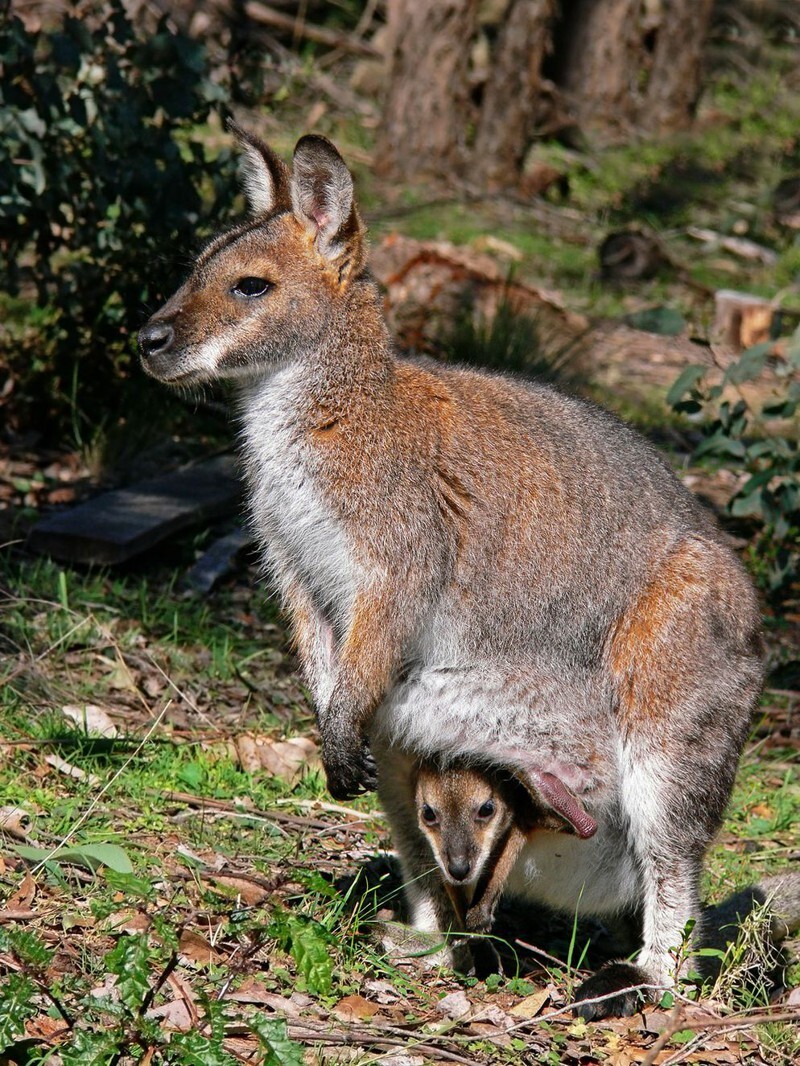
[288,758]
[23,897]
[248,892]
[355,1009]
[67,768]
[93,720]
[252,990]
[530,1006]
[15,821]
[194,948]
[456,1005]
[174,1015]
[127,921]
[44,1028]
[761,810]
[247,750]
[121,678]
[382,991]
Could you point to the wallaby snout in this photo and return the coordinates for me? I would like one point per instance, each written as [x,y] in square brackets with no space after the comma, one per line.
[459,868]
[155,339]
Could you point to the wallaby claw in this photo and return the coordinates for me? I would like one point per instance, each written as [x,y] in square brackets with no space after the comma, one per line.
[350,777]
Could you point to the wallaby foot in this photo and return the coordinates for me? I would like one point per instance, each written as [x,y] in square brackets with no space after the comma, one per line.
[617,981]
[485,958]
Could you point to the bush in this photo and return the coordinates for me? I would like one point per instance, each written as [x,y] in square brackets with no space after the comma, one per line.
[759,441]
[101,184]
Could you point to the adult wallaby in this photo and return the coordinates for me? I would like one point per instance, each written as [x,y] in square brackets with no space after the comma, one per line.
[494,567]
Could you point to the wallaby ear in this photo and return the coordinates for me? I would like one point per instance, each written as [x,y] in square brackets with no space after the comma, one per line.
[265,178]
[322,198]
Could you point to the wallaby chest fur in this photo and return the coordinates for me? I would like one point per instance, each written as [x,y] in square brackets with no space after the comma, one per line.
[475,567]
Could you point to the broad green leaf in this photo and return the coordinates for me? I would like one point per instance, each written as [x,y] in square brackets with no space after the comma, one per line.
[130,961]
[16,1005]
[750,363]
[91,855]
[274,1039]
[665,321]
[686,381]
[309,949]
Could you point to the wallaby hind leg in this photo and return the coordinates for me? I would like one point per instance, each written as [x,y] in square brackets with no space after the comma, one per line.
[686,661]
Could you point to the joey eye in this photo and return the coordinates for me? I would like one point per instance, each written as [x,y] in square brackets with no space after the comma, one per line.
[251,287]
[486,810]
[428,815]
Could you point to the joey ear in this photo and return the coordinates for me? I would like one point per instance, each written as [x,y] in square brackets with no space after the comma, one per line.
[265,178]
[322,198]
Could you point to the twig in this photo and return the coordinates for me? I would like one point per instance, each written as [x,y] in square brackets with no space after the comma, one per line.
[675,1024]
[226,805]
[345,42]
[335,808]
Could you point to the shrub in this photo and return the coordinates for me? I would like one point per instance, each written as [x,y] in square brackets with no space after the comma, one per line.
[758,441]
[100,178]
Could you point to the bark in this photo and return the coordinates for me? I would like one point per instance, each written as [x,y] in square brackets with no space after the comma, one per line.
[674,83]
[630,65]
[511,96]
[428,107]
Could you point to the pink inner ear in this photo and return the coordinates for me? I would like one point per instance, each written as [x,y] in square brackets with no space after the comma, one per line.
[322,218]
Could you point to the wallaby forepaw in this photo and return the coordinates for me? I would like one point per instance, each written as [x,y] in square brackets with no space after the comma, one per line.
[614,990]
[352,775]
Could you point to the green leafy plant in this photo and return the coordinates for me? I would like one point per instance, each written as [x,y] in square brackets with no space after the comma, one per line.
[99,175]
[751,437]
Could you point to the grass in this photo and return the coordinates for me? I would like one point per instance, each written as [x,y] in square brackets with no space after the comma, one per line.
[236,887]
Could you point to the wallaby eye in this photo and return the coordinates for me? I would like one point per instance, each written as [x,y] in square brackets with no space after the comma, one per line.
[428,815]
[251,287]
[486,810]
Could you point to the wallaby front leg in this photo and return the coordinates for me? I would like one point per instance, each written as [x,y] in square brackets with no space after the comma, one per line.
[367,661]
[482,907]
[314,641]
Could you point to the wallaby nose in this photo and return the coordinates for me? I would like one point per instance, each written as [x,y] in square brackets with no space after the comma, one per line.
[155,337]
[459,868]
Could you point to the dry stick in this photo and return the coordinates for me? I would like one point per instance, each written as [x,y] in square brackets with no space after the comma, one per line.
[267,16]
[361,1037]
[227,806]
[675,1024]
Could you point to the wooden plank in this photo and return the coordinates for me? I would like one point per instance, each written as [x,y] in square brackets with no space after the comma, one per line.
[118,525]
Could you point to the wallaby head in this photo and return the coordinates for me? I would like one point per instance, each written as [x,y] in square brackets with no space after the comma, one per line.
[267,290]
[464,817]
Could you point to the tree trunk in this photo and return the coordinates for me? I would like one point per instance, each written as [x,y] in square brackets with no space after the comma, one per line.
[511,95]
[622,66]
[428,108]
[629,65]
[674,84]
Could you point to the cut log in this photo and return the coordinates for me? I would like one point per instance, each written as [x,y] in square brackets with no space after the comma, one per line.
[741,319]
[118,525]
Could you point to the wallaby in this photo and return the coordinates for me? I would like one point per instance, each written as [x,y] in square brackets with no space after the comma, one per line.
[478,822]
[473,564]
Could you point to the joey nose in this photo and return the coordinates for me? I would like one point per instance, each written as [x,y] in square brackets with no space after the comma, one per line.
[155,338]
[459,868]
